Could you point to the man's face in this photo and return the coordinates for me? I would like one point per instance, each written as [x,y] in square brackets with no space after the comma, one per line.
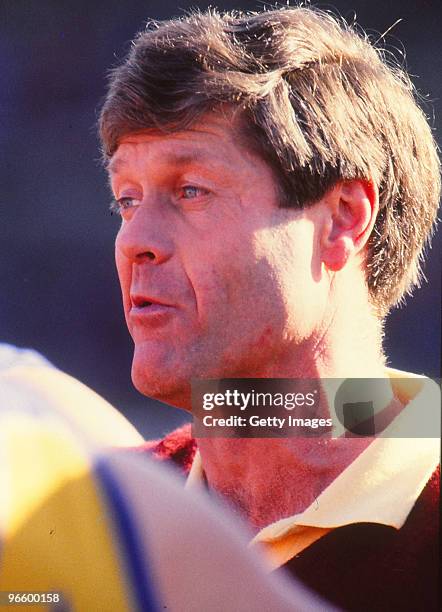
[217,279]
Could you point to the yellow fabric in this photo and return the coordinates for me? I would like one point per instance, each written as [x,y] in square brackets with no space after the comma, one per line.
[58,528]
[281,550]
[385,480]
[56,532]
[98,421]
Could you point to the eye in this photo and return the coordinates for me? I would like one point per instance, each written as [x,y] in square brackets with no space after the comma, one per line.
[190,192]
[121,205]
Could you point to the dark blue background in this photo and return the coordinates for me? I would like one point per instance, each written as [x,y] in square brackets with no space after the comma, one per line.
[59,291]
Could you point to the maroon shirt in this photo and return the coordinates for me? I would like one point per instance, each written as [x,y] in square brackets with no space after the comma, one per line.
[363,566]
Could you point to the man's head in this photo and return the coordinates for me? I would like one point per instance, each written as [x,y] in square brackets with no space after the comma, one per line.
[265,165]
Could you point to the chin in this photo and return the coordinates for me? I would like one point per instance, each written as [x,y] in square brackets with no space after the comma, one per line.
[161,382]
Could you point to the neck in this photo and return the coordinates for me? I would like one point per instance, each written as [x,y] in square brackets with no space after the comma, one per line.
[267,479]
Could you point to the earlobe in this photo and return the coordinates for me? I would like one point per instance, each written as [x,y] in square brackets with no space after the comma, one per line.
[337,254]
[351,209]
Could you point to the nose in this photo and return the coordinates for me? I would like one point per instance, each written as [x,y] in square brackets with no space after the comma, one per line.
[145,237]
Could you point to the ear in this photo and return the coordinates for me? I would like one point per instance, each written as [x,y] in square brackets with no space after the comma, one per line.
[351,208]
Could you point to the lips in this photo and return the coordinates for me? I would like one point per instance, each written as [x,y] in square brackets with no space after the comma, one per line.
[148,313]
[144,301]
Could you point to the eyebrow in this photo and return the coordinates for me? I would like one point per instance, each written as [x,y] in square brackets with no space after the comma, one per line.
[115,164]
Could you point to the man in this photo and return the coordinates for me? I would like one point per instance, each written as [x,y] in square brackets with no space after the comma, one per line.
[277,185]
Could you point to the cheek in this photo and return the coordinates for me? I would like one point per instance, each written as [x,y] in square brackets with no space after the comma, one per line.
[225,281]
[124,274]
[238,301]
[211,288]
[293,282]
[306,299]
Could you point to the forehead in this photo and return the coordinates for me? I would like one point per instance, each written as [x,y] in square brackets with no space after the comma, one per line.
[212,139]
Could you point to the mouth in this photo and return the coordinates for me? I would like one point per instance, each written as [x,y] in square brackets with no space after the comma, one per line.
[146,311]
[139,302]
[143,304]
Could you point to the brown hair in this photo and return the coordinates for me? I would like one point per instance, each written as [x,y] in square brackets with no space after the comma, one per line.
[321,104]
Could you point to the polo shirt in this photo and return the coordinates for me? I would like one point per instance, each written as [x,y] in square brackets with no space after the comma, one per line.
[380,486]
